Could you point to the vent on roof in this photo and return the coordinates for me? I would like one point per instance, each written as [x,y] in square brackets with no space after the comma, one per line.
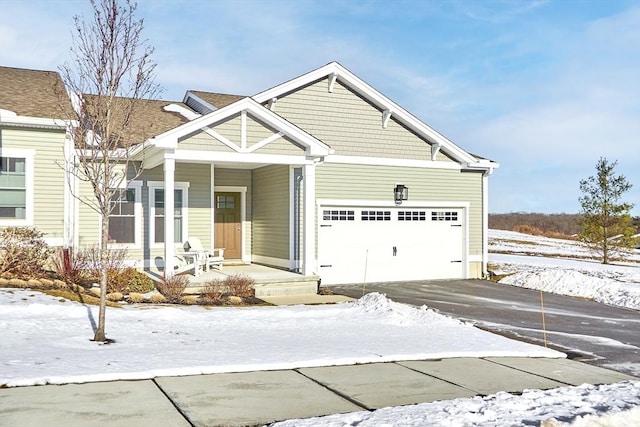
[197,106]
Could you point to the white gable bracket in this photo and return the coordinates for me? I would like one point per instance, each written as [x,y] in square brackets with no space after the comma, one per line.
[271,103]
[264,142]
[332,81]
[435,148]
[386,115]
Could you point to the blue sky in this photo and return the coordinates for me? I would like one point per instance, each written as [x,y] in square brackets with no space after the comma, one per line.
[543,87]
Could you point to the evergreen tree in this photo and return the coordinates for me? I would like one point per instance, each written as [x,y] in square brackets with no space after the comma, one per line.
[607,225]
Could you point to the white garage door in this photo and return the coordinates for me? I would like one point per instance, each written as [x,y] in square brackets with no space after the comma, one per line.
[369,244]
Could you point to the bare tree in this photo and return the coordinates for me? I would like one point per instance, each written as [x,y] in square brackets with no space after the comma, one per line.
[110,75]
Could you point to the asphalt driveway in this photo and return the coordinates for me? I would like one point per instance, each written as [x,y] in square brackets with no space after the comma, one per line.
[595,333]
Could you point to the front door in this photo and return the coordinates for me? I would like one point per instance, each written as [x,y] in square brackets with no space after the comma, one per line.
[228,224]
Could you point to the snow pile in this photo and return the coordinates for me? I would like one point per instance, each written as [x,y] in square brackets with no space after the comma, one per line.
[152,341]
[587,405]
[378,305]
[563,267]
[575,283]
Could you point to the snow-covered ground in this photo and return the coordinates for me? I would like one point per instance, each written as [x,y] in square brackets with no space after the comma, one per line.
[564,269]
[156,341]
[159,341]
[614,405]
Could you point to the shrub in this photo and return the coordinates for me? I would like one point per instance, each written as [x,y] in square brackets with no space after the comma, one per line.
[118,280]
[114,260]
[23,251]
[189,299]
[136,298]
[234,300]
[240,285]
[213,291]
[140,282]
[115,296]
[71,266]
[173,287]
[157,298]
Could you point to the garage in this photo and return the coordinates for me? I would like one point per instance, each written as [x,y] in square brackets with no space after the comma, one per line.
[359,244]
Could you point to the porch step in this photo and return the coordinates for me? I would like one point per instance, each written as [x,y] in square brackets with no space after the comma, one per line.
[305,285]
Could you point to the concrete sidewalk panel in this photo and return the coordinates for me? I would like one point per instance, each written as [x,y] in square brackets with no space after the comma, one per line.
[378,385]
[563,370]
[109,404]
[481,376]
[251,398]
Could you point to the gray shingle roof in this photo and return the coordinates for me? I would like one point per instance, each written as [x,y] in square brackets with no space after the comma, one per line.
[148,119]
[34,93]
[218,100]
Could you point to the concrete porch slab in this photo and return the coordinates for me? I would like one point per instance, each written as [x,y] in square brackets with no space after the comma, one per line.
[482,376]
[109,404]
[378,385]
[563,370]
[251,398]
[269,281]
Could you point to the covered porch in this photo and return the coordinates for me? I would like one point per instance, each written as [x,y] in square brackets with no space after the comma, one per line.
[240,178]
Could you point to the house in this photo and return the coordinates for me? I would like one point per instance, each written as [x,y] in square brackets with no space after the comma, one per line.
[321,175]
[33,147]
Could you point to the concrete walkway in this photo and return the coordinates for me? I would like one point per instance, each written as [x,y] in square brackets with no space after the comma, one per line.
[257,398]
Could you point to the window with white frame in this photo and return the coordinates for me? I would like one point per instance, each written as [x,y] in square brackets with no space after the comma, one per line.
[16,187]
[157,204]
[13,188]
[122,220]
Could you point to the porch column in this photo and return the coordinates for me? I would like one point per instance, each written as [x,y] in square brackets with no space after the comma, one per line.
[309,181]
[169,245]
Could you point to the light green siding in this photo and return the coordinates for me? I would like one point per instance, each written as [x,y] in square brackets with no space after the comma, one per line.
[271,212]
[349,124]
[362,182]
[202,141]
[49,182]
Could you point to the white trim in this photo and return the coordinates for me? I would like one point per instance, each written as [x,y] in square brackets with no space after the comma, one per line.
[268,140]
[314,147]
[292,188]
[10,118]
[383,161]
[243,130]
[151,197]
[70,180]
[391,203]
[212,207]
[246,257]
[309,260]
[54,241]
[485,224]
[137,212]
[29,183]
[169,170]
[216,156]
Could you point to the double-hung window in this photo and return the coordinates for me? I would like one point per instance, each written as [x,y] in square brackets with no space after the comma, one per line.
[124,220]
[158,211]
[16,187]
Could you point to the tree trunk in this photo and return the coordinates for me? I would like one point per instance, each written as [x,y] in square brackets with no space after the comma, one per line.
[100,335]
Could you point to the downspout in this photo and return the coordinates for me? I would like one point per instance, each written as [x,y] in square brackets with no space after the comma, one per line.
[485,222]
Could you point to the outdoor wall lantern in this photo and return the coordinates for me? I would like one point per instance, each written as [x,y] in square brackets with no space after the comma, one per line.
[400,193]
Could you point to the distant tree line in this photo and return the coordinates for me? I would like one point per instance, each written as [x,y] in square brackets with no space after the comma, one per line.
[567,224]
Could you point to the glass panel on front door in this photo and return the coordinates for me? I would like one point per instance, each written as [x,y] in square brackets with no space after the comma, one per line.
[225,202]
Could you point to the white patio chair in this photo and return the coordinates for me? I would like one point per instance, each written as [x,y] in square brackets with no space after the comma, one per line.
[205,258]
